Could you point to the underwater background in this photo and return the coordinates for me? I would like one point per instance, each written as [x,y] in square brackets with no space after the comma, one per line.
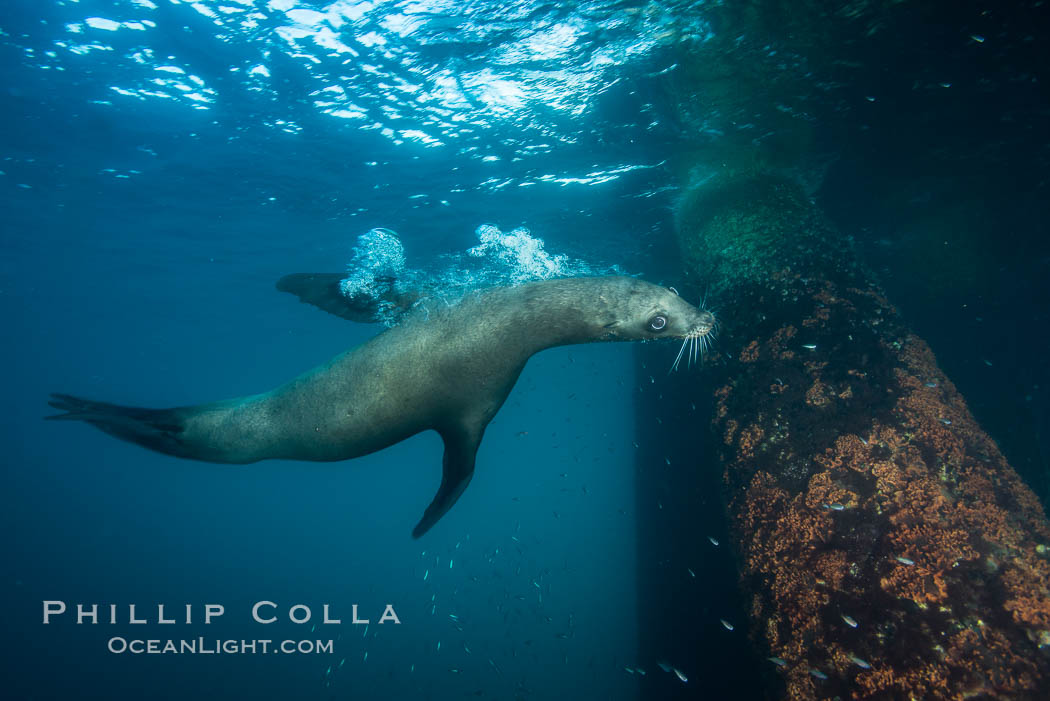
[164,163]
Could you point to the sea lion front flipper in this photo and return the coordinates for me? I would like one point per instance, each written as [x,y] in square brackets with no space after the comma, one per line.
[324,292]
[457,468]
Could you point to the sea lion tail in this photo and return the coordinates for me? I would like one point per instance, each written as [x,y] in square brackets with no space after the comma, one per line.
[156,429]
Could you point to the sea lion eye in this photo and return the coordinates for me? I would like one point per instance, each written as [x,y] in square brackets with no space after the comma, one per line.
[658,323]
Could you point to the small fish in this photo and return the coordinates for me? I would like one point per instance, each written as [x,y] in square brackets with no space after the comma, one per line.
[366,656]
[628,670]
[664,666]
[713,541]
[450,564]
[978,38]
[678,673]
[849,621]
[453,616]
[668,460]
[342,662]
[817,673]
[425,575]
[835,507]
[777,661]
[905,561]
[987,362]
[931,384]
[809,346]
[863,664]
[726,624]
[640,671]
[466,649]
[946,422]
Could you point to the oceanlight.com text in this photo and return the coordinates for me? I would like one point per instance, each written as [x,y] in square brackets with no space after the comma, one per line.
[214,646]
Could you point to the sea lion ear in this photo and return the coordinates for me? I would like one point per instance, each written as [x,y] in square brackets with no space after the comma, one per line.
[457,469]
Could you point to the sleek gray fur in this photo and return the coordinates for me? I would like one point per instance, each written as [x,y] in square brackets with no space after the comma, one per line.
[445,368]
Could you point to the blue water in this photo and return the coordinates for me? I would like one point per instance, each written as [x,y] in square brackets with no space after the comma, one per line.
[157,181]
[163,163]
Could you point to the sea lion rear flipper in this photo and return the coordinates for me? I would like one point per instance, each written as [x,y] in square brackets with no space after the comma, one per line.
[156,429]
[457,468]
[324,292]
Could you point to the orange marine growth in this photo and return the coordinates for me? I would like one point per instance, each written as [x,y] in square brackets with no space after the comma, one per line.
[889,548]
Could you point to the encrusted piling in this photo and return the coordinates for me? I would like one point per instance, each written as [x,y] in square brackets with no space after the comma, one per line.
[888,548]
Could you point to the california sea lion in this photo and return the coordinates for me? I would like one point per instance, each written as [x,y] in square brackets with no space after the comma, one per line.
[447,369]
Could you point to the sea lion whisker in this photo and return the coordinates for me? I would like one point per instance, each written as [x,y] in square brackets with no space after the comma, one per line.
[674,365]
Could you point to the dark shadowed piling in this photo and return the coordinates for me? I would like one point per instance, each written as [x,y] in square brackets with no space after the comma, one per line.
[883,539]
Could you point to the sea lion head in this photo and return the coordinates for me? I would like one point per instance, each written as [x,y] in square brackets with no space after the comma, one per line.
[642,311]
